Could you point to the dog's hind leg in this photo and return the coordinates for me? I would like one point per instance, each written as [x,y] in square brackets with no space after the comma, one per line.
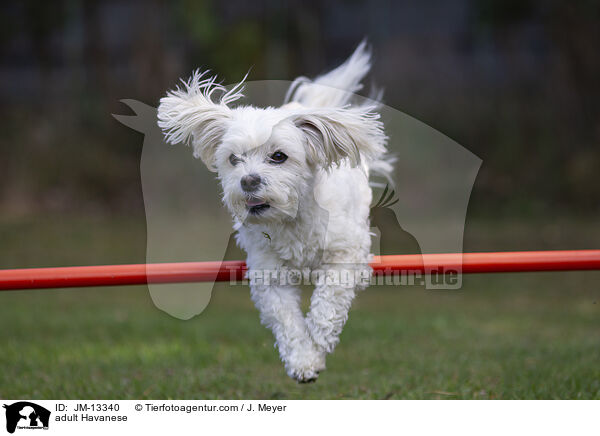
[280,310]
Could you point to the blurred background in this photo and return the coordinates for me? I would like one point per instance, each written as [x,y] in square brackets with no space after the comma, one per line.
[513,81]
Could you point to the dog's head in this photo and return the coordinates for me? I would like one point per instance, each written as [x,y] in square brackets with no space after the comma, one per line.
[266,159]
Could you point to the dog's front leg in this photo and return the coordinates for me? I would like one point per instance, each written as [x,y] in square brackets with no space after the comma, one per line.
[331,301]
[280,310]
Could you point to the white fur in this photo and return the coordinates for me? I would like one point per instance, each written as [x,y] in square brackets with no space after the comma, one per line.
[319,197]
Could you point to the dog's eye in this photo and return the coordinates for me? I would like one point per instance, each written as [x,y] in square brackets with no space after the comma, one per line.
[234,160]
[278,157]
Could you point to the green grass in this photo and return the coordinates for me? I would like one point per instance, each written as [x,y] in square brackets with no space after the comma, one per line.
[502,336]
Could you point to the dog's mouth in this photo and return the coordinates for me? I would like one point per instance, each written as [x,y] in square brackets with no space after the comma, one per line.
[256,205]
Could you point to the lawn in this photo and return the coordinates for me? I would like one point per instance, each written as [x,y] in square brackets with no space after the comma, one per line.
[503,336]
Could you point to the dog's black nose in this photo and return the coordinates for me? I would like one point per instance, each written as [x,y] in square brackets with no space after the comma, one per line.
[250,182]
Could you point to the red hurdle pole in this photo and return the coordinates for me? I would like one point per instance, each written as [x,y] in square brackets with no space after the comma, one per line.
[182,272]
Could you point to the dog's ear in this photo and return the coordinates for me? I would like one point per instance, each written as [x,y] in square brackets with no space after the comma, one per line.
[188,114]
[333,134]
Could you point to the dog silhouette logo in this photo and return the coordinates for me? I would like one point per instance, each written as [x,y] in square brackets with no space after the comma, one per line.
[26,415]
[422,212]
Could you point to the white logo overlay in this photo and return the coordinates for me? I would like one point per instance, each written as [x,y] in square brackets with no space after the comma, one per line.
[422,209]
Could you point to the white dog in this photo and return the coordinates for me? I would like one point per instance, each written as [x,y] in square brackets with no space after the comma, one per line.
[296,180]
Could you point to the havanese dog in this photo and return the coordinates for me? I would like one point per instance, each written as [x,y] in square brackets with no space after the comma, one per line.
[296,181]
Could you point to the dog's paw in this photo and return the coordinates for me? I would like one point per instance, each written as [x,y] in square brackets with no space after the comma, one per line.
[306,381]
[303,375]
[304,365]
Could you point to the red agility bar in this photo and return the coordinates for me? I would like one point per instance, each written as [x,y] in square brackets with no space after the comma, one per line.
[184,272]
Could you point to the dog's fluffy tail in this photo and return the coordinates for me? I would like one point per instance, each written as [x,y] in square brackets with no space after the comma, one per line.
[335,88]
